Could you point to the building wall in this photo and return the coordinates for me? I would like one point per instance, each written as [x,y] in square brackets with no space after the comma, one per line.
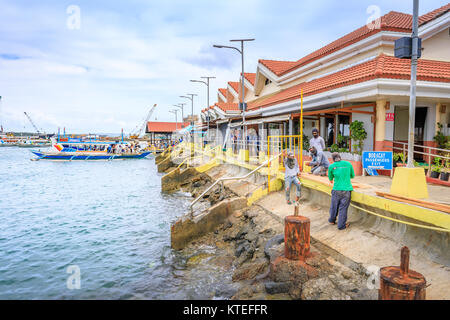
[368,126]
[437,47]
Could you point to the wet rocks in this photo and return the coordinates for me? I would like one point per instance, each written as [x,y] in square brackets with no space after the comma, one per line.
[277,287]
[250,270]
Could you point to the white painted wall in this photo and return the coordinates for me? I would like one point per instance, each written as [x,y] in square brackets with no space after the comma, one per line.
[368,126]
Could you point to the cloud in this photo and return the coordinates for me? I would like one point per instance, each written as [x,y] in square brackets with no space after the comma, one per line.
[129,55]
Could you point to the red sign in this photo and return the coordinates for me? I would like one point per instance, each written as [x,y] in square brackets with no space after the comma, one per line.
[389,116]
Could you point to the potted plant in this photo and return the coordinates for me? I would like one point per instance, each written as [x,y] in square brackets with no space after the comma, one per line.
[445,172]
[436,168]
[418,165]
[399,159]
[358,134]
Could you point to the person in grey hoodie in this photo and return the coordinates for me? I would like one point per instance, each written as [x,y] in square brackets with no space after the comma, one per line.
[319,162]
[291,175]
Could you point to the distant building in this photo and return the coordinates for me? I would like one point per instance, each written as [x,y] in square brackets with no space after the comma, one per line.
[163,131]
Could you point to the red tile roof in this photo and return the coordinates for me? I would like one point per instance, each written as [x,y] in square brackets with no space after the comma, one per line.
[434,14]
[234,85]
[251,77]
[156,126]
[392,21]
[277,67]
[227,106]
[382,66]
[223,92]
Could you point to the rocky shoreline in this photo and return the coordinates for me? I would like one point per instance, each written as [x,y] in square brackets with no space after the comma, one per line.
[249,248]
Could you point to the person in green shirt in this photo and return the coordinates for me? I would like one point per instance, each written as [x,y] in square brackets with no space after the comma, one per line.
[341,172]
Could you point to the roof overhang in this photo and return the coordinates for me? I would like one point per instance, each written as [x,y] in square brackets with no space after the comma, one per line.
[364,91]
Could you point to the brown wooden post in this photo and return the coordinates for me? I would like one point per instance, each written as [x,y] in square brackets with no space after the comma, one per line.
[401,283]
[296,237]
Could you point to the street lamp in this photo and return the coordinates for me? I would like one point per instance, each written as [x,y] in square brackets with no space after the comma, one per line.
[175,111]
[242,104]
[190,96]
[207,105]
[181,106]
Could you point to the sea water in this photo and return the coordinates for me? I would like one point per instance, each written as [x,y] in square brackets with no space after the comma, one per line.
[90,230]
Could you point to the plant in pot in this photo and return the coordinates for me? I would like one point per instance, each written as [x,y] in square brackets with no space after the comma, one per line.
[445,172]
[358,134]
[436,168]
[418,165]
[399,159]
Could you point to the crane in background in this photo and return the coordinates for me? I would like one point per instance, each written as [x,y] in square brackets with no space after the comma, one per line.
[32,123]
[135,134]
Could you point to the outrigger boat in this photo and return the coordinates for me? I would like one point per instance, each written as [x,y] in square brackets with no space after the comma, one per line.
[76,149]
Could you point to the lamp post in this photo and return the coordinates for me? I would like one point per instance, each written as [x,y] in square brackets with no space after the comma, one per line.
[242,104]
[412,95]
[175,111]
[207,99]
[191,96]
[181,106]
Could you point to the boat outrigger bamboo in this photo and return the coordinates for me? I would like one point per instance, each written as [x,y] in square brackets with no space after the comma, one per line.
[76,149]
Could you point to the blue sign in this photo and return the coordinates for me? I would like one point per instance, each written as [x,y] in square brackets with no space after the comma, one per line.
[379,160]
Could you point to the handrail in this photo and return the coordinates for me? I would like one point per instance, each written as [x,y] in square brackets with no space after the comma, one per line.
[417,145]
[230,178]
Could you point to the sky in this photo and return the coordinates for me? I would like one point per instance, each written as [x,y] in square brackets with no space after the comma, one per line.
[99,66]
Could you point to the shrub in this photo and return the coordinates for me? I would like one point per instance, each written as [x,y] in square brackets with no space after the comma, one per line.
[358,134]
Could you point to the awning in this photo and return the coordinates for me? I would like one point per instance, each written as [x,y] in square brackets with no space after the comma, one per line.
[261,120]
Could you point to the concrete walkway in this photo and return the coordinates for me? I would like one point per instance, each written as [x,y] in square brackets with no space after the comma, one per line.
[369,242]
[370,247]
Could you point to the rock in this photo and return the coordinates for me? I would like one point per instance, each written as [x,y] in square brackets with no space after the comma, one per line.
[321,289]
[250,270]
[196,184]
[243,293]
[295,292]
[274,247]
[251,236]
[241,233]
[277,287]
[240,249]
[227,225]
[346,274]
[224,262]
[250,214]
[283,269]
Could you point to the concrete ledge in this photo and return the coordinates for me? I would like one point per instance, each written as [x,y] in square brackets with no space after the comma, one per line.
[185,230]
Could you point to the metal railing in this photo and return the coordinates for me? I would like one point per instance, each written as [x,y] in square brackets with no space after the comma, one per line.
[221,180]
[429,155]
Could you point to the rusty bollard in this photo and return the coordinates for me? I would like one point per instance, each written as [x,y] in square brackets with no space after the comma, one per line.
[400,283]
[296,236]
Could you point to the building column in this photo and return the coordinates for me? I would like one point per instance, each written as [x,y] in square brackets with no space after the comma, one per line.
[380,124]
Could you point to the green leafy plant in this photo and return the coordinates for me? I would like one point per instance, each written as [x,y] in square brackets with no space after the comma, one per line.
[343,150]
[305,142]
[334,147]
[399,157]
[441,140]
[358,134]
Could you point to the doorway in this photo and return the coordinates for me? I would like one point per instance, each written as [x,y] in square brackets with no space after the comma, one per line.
[401,127]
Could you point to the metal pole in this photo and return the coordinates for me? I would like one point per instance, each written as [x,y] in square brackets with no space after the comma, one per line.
[243,93]
[412,95]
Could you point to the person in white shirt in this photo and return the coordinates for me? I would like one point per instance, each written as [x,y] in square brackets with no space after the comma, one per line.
[317,141]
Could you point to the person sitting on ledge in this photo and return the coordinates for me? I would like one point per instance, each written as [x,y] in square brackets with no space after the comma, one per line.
[319,162]
[291,175]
